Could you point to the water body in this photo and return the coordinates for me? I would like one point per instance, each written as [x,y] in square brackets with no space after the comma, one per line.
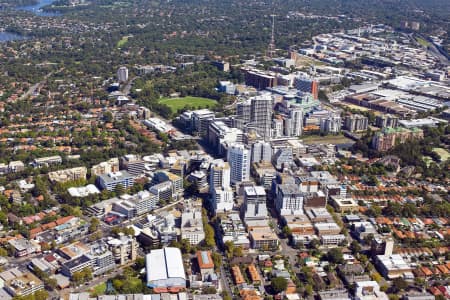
[37,9]
[8,36]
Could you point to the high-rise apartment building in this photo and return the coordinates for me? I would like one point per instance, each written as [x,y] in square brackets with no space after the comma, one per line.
[261,152]
[261,115]
[293,124]
[243,111]
[331,124]
[383,121]
[122,74]
[219,186]
[355,123]
[239,160]
[289,199]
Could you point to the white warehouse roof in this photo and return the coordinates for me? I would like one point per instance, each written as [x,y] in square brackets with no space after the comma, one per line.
[165,268]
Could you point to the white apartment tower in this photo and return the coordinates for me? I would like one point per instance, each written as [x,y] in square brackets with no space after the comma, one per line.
[239,160]
[219,186]
[122,74]
[294,122]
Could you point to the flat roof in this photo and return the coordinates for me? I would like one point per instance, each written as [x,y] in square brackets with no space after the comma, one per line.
[164,264]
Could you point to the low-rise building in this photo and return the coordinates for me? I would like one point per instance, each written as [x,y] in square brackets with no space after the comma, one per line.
[17,283]
[205,263]
[47,161]
[165,270]
[263,238]
[106,167]
[393,266]
[23,247]
[344,205]
[369,290]
[68,175]
[329,228]
[111,180]
[192,226]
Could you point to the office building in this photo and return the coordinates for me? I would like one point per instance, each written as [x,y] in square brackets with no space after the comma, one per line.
[259,80]
[177,181]
[239,160]
[261,115]
[165,270]
[356,123]
[133,164]
[111,180]
[98,258]
[122,74]
[200,121]
[307,85]
[124,248]
[163,191]
[219,135]
[282,157]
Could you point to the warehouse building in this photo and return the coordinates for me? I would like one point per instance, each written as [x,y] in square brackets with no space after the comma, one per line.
[165,270]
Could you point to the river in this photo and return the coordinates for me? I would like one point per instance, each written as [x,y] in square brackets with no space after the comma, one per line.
[37,8]
[8,36]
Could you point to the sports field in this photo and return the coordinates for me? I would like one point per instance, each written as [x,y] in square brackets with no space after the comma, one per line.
[193,102]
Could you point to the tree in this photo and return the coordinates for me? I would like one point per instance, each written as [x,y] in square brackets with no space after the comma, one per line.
[94,225]
[209,290]
[3,252]
[355,247]
[314,244]
[335,256]
[209,236]
[399,283]
[50,283]
[279,284]
[229,248]
[309,289]
[38,295]
[119,190]
[217,259]
[287,232]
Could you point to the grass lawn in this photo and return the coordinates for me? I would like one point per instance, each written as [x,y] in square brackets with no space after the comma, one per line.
[422,42]
[442,153]
[428,160]
[197,102]
[328,139]
[99,289]
[122,41]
